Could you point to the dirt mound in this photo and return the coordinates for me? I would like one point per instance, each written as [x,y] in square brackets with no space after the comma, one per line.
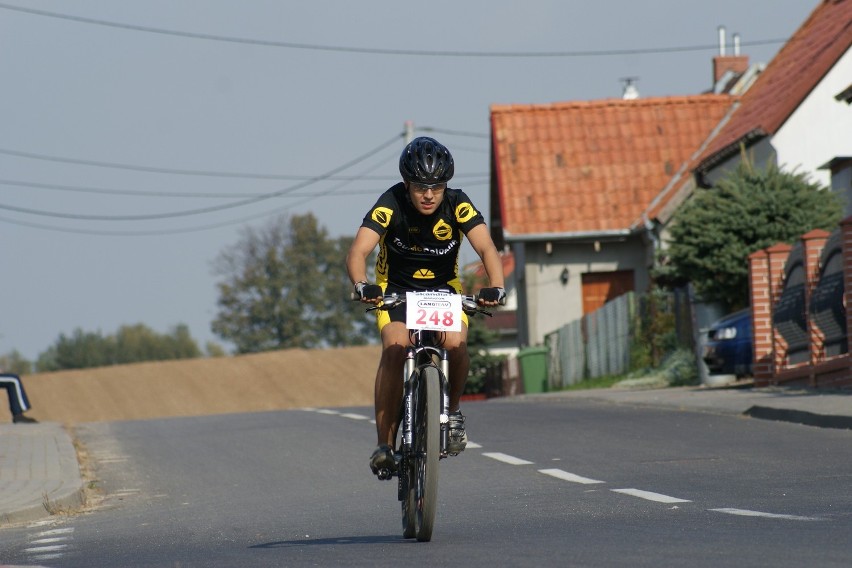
[292,378]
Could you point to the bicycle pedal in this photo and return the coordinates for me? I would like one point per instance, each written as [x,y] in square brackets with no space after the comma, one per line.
[384,474]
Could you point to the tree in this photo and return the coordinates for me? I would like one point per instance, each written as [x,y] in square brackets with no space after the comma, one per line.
[130,344]
[748,210]
[138,343]
[14,362]
[285,285]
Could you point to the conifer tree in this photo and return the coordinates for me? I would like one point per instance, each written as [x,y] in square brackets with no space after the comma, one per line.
[747,210]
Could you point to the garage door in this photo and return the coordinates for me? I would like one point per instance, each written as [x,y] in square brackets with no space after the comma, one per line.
[601,287]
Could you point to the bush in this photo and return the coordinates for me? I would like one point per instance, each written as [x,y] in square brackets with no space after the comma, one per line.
[749,209]
[679,368]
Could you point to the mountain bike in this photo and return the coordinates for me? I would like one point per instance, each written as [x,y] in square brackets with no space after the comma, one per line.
[424,431]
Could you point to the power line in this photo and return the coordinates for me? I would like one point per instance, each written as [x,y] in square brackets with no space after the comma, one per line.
[153,169]
[183,230]
[209,209]
[375,51]
[452,132]
[200,195]
[213,173]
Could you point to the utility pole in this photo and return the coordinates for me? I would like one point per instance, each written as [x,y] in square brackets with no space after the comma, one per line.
[409,131]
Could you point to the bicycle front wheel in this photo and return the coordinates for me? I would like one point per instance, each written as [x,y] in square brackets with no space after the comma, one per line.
[422,498]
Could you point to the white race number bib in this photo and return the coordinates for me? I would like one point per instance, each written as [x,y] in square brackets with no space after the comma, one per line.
[438,311]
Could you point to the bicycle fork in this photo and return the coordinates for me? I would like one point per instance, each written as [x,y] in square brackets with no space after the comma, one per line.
[408,397]
[445,402]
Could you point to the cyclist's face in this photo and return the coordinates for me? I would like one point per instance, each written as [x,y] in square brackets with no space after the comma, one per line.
[426,199]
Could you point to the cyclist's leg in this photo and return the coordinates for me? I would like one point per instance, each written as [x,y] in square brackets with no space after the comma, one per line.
[388,391]
[456,345]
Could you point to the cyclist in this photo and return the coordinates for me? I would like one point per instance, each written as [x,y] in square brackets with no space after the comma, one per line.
[419,225]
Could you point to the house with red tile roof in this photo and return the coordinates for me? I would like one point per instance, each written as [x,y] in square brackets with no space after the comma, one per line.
[797,114]
[571,187]
[581,191]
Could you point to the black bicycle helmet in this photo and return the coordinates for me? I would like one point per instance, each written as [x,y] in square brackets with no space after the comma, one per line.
[425,160]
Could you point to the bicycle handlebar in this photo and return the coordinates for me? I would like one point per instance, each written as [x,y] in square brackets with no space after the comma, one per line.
[390,301]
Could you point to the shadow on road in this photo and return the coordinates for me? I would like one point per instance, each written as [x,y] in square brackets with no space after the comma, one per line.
[334,541]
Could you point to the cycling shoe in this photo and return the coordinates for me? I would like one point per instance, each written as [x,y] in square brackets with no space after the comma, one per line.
[382,462]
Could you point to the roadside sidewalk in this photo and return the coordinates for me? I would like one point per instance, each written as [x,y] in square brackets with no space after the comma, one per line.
[824,409]
[39,473]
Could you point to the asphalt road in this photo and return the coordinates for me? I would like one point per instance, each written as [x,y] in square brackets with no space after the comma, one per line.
[554,483]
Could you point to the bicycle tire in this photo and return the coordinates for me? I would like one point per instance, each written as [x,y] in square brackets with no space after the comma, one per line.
[426,452]
[409,511]
[407,495]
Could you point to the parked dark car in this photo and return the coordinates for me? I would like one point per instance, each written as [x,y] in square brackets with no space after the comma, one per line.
[728,349]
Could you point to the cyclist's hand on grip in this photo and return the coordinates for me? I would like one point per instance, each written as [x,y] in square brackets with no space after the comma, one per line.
[492,297]
[368,293]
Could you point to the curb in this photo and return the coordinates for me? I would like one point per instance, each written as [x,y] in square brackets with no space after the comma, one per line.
[56,504]
[42,476]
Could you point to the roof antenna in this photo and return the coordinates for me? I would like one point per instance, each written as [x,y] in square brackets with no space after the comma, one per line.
[630,91]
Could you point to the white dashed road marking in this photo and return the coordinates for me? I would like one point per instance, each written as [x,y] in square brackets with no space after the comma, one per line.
[511,460]
[565,476]
[556,473]
[52,532]
[651,496]
[48,540]
[39,549]
[747,513]
[49,544]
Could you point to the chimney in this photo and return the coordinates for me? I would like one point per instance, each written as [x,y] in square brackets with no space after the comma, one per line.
[630,91]
[736,63]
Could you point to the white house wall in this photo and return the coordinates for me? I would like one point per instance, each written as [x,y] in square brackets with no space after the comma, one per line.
[552,304]
[820,129]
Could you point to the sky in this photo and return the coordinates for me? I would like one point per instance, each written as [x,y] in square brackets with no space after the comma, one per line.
[138,140]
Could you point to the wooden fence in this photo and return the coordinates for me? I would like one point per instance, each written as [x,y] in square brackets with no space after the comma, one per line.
[599,343]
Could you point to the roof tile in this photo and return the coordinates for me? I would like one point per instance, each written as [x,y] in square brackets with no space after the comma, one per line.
[593,166]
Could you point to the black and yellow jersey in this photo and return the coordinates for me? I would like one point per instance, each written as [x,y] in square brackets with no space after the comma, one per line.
[416,251]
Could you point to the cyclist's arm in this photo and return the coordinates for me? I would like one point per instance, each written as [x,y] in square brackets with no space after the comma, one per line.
[480,240]
[364,243]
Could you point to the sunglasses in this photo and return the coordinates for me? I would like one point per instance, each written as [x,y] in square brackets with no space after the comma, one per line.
[421,188]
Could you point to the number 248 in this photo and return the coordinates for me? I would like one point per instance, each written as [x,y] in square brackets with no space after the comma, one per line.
[435,317]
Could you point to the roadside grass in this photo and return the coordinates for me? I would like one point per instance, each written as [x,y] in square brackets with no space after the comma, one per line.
[595,383]
[677,369]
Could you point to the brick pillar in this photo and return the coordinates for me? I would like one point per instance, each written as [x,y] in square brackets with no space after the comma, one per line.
[813,243]
[777,254]
[760,293]
[846,228]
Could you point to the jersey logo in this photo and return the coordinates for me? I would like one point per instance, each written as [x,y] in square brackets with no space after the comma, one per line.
[442,230]
[424,274]
[465,212]
[382,216]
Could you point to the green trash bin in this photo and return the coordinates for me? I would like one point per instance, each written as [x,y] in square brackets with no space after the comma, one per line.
[533,362]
